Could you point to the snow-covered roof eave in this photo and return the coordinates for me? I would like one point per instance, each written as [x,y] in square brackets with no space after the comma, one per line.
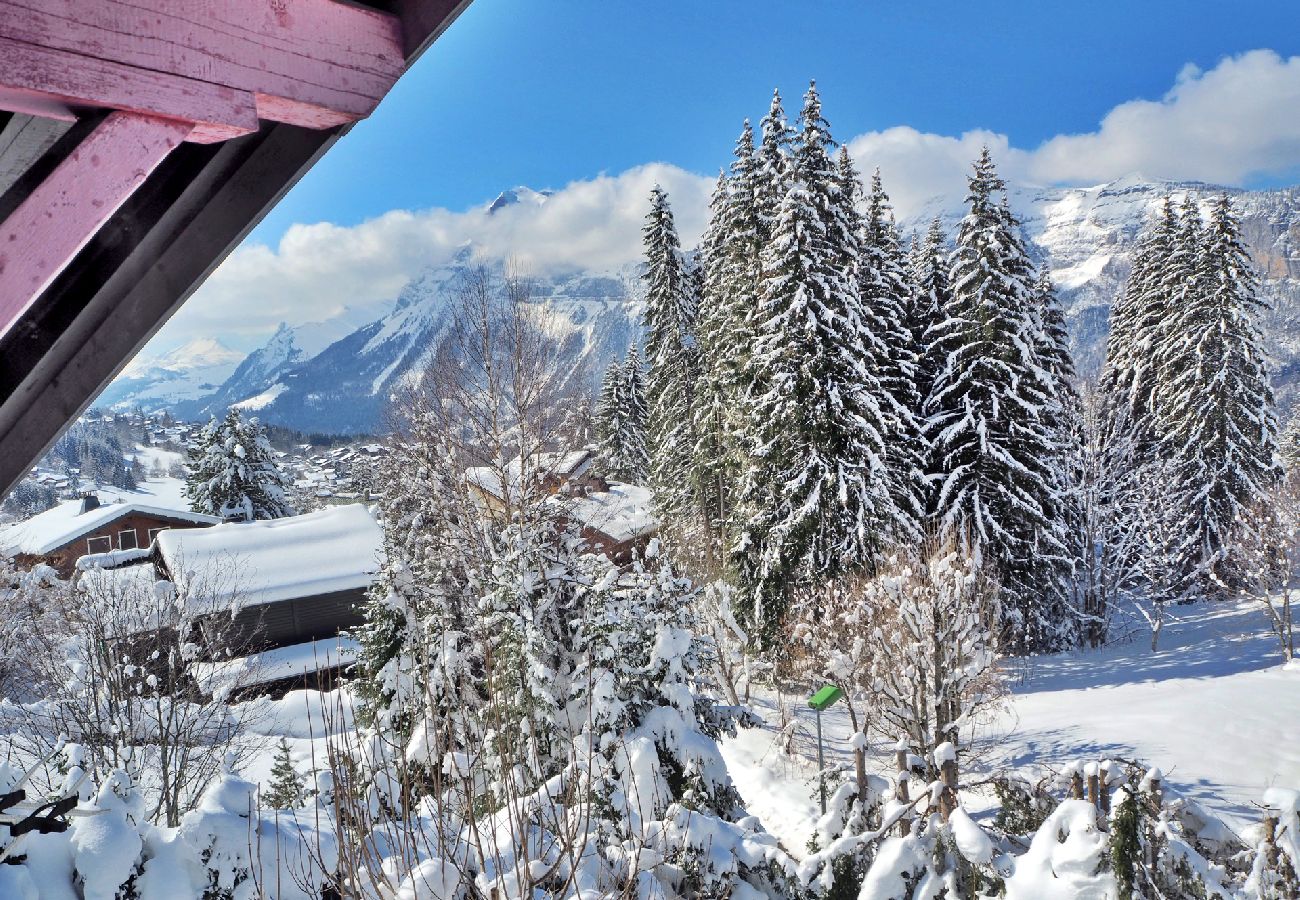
[42,534]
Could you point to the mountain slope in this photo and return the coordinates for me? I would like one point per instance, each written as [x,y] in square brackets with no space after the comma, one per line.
[190,372]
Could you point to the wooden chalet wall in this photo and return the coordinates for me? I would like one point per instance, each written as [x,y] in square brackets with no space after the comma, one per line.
[64,559]
[268,625]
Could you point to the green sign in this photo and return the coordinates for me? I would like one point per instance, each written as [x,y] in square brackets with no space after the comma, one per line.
[825,698]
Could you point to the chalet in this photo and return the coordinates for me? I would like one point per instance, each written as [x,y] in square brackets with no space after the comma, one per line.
[614,518]
[290,585]
[60,536]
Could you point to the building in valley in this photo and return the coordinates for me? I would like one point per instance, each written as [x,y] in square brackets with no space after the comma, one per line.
[60,536]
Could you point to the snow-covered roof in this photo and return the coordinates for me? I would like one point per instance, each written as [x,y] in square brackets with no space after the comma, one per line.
[50,530]
[294,661]
[564,464]
[622,512]
[335,549]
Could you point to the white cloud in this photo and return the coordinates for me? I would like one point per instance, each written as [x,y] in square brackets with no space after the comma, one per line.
[1224,125]
[1239,119]
[318,270]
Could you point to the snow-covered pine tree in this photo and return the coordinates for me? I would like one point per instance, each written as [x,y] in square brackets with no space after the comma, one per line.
[712,462]
[814,498]
[886,297]
[989,417]
[773,166]
[635,458]
[672,369]
[232,472]
[1217,426]
[607,408]
[933,334]
[416,641]
[730,254]
[1177,294]
[1135,354]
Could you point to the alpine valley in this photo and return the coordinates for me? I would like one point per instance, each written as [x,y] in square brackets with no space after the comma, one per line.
[336,376]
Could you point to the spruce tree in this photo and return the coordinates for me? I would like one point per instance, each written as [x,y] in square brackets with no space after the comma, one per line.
[773,166]
[285,789]
[989,421]
[608,411]
[712,464]
[672,367]
[231,472]
[930,301]
[1143,328]
[1217,426]
[633,439]
[816,493]
[892,350]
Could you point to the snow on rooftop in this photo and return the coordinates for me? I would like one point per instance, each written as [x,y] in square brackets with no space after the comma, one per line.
[294,661]
[50,530]
[334,549]
[622,512]
[563,464]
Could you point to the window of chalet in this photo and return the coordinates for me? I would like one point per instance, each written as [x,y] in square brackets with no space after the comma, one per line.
[99,544]
[153,534]
[126,540]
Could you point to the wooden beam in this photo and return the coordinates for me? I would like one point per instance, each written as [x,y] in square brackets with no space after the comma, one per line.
[314,63]
[60,216]
[64,78]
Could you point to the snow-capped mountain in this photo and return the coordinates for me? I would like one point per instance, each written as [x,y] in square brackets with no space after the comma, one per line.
[337,376]
[190,372]
[1085,236]
[344,388]
[255,383]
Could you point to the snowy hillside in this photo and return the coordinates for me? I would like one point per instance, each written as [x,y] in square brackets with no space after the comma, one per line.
[256,380]
[188,373]
[334,376]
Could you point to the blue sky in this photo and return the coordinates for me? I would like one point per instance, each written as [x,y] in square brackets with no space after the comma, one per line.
[543,92]
[601,100]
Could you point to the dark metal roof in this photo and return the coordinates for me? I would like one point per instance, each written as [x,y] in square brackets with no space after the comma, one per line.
[147,259]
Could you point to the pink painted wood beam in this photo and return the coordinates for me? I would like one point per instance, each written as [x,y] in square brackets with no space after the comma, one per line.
[61,215]
[315,63]
[40,75]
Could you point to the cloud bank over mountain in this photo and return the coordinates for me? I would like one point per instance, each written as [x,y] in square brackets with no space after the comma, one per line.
[1229,125]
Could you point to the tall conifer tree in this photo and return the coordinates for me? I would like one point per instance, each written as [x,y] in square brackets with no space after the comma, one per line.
[989,421]
[672,361]
[1219,429]
[814,498]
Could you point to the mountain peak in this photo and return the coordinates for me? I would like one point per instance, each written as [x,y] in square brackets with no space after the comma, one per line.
[518,195]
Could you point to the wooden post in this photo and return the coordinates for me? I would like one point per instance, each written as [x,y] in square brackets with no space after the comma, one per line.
[945,757]
[1076,784]
[1103,788]
[901,793]
[1094,797]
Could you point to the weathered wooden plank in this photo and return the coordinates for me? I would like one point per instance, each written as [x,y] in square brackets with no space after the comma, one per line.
[315,63]
[57,219]
[60,76]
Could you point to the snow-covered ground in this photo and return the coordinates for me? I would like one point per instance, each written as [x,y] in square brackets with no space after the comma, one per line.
[166,492]
[1213,707]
